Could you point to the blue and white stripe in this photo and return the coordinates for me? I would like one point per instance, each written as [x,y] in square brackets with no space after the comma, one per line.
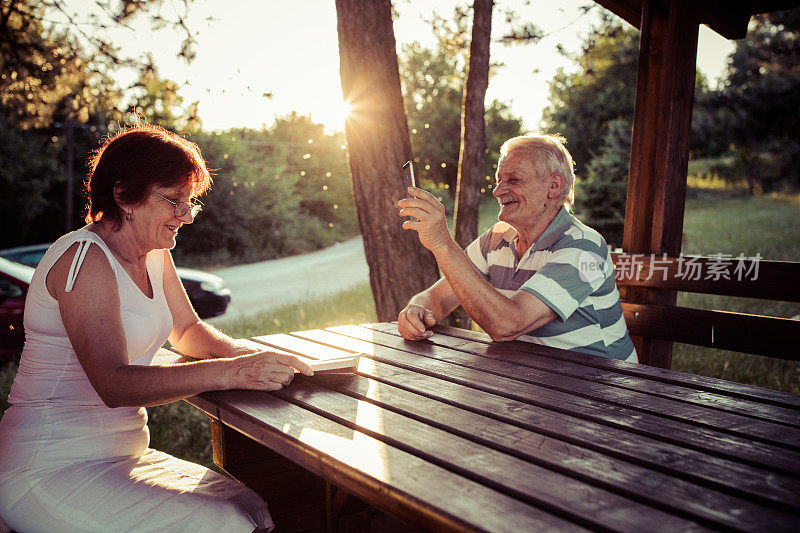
[589,313]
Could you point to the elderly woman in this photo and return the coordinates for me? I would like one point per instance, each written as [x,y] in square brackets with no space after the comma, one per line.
[74,450]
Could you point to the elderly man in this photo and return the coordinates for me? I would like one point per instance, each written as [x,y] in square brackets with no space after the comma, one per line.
[538,275]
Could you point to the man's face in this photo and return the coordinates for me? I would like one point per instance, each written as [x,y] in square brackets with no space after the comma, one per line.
[519,190]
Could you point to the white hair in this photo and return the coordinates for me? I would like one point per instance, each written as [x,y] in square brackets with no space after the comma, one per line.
[549,156]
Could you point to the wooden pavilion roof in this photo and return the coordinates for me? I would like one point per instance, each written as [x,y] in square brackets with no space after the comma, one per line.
[729,18]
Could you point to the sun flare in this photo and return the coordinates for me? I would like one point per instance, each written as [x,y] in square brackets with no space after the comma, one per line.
[337,115]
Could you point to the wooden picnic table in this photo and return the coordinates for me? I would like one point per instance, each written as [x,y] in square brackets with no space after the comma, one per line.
[460,433]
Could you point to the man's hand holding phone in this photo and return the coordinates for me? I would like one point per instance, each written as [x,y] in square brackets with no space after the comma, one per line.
[426,213]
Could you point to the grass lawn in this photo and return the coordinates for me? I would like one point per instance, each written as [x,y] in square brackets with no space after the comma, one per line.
[749,225]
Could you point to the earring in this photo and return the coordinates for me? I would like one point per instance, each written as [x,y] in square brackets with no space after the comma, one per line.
[127,216]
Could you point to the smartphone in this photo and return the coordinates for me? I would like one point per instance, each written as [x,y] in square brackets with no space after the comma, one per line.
[409,178]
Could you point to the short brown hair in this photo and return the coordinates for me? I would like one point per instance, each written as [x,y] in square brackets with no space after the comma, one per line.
[137,158]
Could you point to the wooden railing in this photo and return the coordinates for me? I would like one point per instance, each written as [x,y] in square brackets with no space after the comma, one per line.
[729,276]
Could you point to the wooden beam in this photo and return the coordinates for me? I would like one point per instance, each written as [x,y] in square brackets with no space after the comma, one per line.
[729,18]
[628,10]
[660,148]
[755,334]
[745,278]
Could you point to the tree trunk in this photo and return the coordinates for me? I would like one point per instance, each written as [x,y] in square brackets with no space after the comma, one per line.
[473,135]
[473,126]
[378,145]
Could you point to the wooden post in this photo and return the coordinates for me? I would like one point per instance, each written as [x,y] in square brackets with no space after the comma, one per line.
[660,147]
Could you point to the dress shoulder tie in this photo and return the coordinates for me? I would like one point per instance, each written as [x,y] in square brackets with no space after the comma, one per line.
[77,261]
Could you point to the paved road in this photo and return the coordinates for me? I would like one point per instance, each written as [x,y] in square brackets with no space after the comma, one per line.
[270,284]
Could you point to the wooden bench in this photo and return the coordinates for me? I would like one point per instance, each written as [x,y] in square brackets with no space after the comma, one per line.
[719,275]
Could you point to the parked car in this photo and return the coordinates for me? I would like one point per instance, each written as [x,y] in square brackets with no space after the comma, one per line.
[207,292]
[14,281]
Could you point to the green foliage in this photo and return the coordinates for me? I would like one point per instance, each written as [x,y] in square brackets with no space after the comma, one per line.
[758,109]
[601,199]
[27,170]
[156,101]
[57,65]
[432,84]
[277,192]
[714,178]
[744,225]
[50,78]
[710,135]
[583,103]
[319,160]
[46,71]
[593,108]
[7,374]
[181,430]
[433,81]
[58,74]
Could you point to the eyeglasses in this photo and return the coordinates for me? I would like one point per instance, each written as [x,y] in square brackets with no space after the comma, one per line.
[181,208]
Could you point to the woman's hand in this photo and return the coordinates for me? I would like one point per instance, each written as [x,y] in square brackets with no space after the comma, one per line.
[264,371]
[431,224]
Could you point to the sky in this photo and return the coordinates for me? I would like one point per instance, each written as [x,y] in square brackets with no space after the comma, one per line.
[290,50]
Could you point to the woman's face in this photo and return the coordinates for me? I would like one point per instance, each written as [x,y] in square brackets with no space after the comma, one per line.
[154,222]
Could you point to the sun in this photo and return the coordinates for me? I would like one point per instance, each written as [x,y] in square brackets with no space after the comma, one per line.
[337,114]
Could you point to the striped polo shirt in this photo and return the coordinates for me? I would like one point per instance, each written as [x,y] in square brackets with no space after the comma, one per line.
[570,269]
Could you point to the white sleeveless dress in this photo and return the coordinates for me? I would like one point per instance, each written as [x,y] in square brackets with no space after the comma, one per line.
[68,462]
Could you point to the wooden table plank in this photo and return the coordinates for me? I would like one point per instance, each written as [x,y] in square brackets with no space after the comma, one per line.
[719,401]
[389,478]
[681,434]
[625,477]
[772,433]
[457,336]
[543,488]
